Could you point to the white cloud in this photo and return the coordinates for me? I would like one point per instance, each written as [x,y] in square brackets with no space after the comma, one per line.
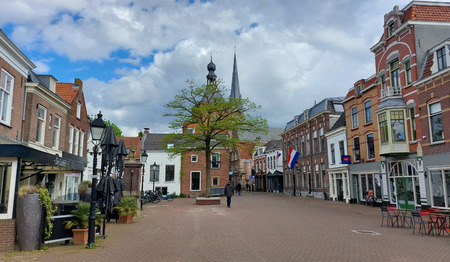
[290,53]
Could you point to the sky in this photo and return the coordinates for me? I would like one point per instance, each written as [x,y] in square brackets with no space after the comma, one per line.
[135,56]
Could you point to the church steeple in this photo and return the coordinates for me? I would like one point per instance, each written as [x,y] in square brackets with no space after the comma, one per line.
[235,91]
[211,77]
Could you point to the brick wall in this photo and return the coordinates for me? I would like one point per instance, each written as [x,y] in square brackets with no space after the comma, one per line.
[7,232]
[14,131]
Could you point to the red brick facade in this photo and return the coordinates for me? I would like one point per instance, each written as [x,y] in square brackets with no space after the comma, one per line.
[7,231]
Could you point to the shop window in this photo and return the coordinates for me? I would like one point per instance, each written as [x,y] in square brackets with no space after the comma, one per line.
[6,203]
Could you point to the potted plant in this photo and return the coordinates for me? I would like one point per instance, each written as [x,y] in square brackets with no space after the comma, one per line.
[31,201]
[80,223]
[127,209]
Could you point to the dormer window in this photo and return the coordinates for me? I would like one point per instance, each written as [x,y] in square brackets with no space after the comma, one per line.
[391,29]
[441,58]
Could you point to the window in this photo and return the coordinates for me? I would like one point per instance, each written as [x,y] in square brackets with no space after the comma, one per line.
[341,149]
[6,91]
[170,173]
[368,111]
[370,146]
[383,82]
[72,181]
[195,181]
[333,157]
[356,149]
[338,107]
[437,130]
[191,130]
[71,139]
[6,194]
[154,173]
[307,144]
[40,132]
[170,145]
[394,74]
[194,158]
[407,68]
[322,141]
[391,29]
[358,90]
[383,128]
[397,126]
[412,123]
[75,141]
[215,160]
[315,145]
[440,187]
[215,181]
[441,59]
[81,143]
[355,117]
[56,131]
[78,110]
[302,147]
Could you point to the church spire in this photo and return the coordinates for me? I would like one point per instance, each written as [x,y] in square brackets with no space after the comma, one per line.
[211,77]
[235,91]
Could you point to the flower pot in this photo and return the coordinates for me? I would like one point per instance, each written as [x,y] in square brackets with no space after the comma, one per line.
[80,236]
[125,219]
[29,214]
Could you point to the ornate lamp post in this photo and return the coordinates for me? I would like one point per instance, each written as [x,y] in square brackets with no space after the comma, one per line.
[154,174]
[143,160]
[97,131]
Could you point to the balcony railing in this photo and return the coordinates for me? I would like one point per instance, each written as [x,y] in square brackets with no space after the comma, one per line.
[391,91]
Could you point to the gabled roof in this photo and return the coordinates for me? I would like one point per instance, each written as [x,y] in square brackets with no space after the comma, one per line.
[67,91]
[245,150]
[327,104]
[420,12]
[154,141]
[132,142]
[339,123]
[273,145]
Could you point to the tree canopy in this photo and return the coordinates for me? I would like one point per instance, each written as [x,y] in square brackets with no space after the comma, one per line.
[215,121]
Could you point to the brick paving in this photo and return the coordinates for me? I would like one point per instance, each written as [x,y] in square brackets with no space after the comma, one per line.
[257,227]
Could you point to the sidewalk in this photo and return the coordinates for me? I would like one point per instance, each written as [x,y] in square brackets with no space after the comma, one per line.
[257,227]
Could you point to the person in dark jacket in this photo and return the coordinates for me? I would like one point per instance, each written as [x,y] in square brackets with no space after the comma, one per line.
[239,188]
[229,192]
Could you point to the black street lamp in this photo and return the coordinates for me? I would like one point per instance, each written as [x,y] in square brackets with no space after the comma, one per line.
[97,130]
[143,160]
[154,175]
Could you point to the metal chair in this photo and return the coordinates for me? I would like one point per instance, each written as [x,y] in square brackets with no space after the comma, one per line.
[393,214]
[417,219]
[384,215]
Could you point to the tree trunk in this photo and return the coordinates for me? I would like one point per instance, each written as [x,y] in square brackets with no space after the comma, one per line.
[208,168]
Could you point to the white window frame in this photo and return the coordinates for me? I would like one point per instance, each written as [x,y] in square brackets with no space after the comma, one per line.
[76,141]
[6,95]
[354,116]
[333,155]
[212,160]
[433,114]
[194,158]
[78,109]
[56,131]
[81,153]
[42,122]
[71,130]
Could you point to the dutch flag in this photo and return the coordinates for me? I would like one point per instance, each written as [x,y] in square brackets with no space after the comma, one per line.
[292,158]
[278,154]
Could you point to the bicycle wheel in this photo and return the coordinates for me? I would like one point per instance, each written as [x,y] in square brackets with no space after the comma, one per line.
[157,200]
[169,198]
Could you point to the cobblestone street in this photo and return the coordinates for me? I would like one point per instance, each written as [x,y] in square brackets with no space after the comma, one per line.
[257,227]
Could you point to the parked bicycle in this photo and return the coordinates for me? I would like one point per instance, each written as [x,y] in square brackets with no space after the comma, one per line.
[152,196]
[168,197]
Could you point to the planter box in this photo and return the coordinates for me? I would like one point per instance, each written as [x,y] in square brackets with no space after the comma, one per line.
[125,219]
[80,236]
[208,201]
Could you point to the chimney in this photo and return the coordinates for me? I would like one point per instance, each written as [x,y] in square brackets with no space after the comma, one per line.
[79,83]
[146,130]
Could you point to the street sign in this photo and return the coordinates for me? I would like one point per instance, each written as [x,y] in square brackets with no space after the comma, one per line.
[251,177]
[231,173]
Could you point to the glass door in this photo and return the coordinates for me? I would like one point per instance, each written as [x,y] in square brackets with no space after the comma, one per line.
[405,192]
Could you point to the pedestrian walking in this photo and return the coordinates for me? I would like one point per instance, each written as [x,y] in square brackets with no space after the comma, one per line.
[239,188]
[229,192]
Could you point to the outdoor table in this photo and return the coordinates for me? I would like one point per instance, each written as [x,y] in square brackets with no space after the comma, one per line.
[403,214]
[440,219]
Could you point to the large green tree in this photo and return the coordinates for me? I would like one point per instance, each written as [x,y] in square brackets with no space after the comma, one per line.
[215,119]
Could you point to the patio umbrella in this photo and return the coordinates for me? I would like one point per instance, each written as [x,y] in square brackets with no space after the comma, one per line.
[121,152]
[107,186]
